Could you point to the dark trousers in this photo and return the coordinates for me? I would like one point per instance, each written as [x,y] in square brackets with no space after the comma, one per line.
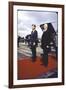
[45,57]
[56,48]
[33,49]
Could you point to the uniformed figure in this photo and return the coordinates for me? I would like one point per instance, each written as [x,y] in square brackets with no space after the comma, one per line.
[45,44]
[33,41]
[18,41]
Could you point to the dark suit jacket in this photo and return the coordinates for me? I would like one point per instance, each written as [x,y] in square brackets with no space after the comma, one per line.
[46,39]
[34,38]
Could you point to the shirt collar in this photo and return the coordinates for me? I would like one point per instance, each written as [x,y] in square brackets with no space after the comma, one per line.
[33,30]
[44,30]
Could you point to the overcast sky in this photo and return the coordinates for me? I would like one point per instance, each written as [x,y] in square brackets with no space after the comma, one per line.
[27,18]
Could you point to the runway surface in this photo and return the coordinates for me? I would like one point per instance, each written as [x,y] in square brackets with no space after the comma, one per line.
[34,70]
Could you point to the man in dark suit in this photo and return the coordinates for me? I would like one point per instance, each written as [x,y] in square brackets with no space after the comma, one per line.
[45,44]
[33,41]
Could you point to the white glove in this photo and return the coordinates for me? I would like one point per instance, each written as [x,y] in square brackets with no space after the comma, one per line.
[47,46]
[34,43]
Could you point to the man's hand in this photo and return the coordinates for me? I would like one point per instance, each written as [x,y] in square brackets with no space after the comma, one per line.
[34,43]
[47,46]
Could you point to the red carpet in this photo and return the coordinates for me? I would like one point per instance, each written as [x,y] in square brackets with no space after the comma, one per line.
[29,70]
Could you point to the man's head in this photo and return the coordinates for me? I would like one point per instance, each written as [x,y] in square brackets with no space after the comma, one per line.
[45,26]
[33,26]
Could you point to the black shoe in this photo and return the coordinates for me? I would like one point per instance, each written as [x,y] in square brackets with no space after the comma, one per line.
[33,59]
[44,64]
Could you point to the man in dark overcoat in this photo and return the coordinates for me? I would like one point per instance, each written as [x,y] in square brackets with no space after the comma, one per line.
[33,41]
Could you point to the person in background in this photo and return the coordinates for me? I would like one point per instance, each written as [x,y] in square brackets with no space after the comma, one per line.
[18,40]
[33,41]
